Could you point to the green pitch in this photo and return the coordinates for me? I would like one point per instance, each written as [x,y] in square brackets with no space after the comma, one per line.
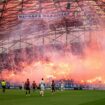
[17,97]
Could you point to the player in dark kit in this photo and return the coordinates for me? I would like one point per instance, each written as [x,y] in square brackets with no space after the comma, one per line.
[34,86]
[53,86]
[27,87]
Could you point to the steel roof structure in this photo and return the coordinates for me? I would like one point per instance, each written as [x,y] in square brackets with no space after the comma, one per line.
[54,27]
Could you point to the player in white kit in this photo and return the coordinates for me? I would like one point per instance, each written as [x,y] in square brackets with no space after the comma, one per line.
[62,86]
[42,87]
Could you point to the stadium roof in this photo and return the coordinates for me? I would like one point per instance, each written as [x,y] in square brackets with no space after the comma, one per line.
[83,15]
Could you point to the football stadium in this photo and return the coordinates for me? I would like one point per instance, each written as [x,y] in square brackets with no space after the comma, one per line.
[52,52]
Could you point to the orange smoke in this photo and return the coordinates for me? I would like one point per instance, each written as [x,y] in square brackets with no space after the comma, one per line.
[89,67]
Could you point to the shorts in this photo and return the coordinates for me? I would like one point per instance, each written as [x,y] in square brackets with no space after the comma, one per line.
[53,88]
[34,88]
[3,87]
[27,88]
[42,88]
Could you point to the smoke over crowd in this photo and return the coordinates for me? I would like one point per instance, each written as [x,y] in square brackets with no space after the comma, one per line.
[57,62]
[81,61]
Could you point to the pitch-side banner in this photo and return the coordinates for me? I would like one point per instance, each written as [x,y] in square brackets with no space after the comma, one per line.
[42,15]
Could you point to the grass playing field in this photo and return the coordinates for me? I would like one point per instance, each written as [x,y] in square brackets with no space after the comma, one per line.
[72,97]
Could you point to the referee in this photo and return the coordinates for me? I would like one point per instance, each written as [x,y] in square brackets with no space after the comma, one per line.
[3,84]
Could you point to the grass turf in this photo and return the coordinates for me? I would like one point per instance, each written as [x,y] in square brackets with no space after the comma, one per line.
[71,97]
